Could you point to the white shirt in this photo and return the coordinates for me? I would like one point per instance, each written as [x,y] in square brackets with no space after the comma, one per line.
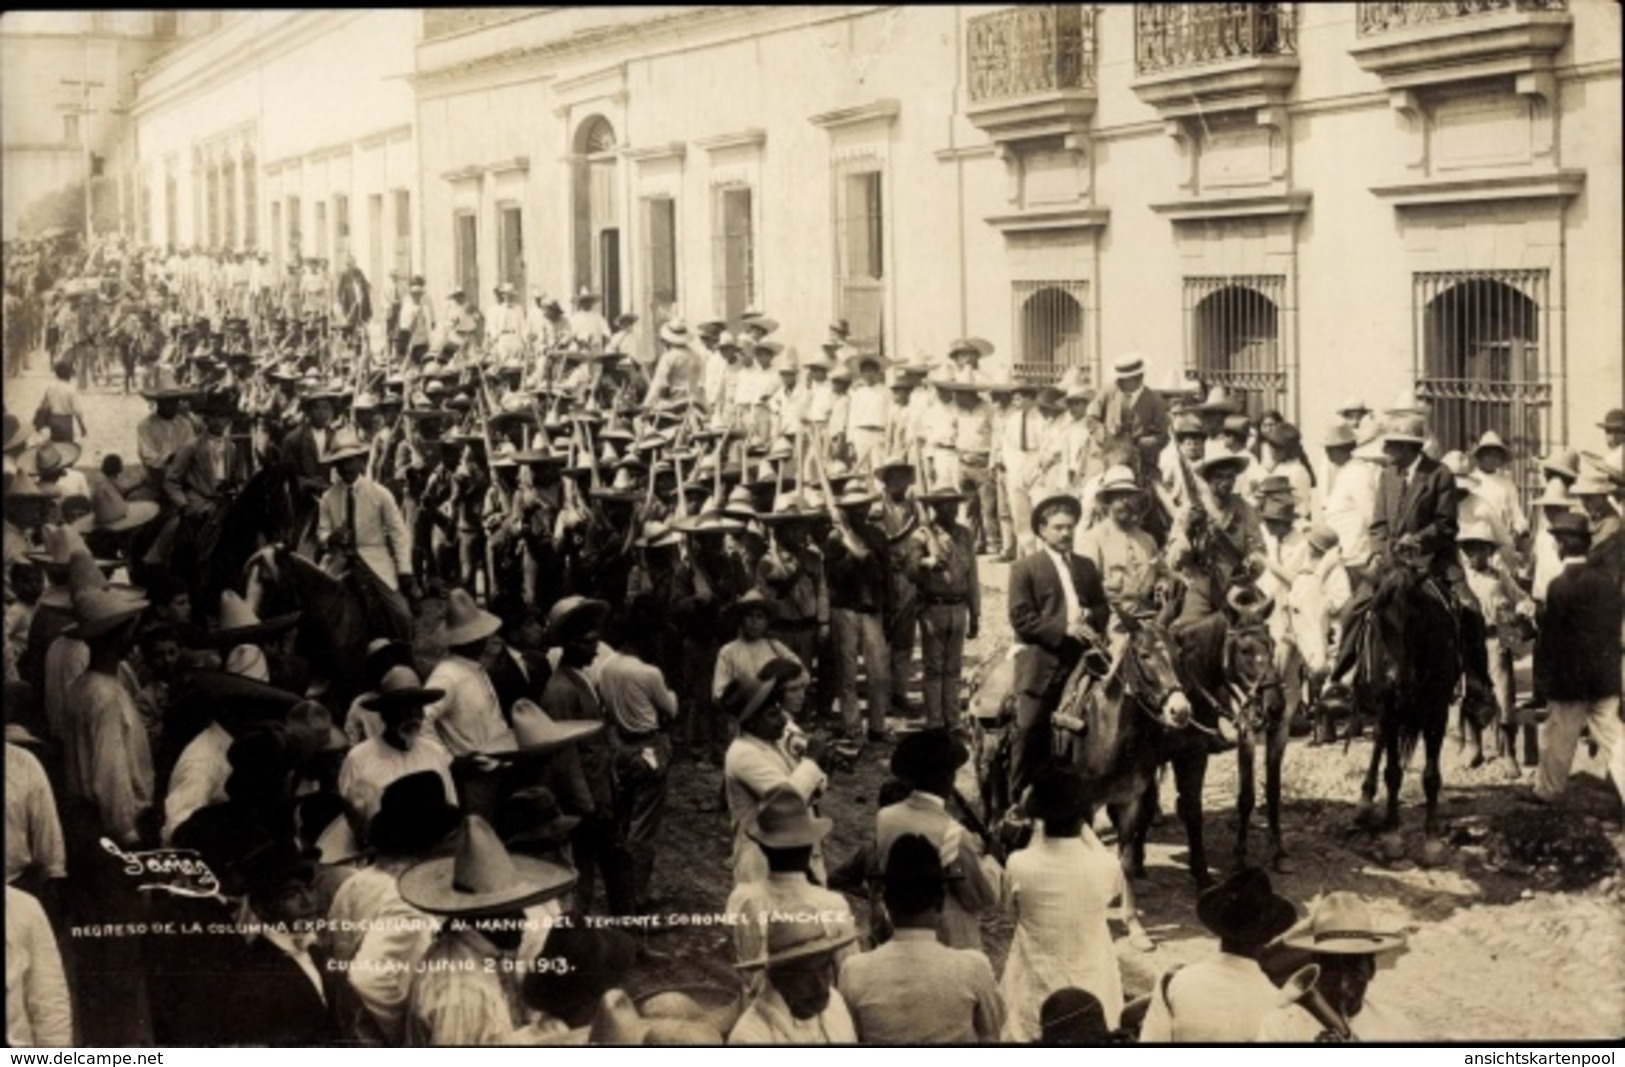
[1501,496]
[38,1011]
[1074,609]
[199,778]
[370,766]
[870,408]
[1219,1000]
[469,716]
[1376,1022]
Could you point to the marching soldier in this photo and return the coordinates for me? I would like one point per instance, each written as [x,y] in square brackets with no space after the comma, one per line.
[950,602]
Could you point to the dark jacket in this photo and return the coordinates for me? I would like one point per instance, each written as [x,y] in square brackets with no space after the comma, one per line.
[1579,636]
[1038,616]
[1426,508]
[190,482]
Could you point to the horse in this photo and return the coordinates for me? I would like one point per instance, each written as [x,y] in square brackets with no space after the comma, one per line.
[1411,662]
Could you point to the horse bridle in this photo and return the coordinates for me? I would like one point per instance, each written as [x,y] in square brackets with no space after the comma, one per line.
[1135,685]
[1251,696]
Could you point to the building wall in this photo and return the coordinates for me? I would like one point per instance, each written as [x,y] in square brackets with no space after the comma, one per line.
[317,103]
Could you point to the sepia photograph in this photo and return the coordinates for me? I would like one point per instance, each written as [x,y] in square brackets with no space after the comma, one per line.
[1028,525]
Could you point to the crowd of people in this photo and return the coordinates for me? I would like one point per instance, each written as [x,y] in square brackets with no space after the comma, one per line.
[584,568]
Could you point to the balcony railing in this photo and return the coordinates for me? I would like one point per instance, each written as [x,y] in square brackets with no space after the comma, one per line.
[1031,49]
[1384,17]
[1176,36]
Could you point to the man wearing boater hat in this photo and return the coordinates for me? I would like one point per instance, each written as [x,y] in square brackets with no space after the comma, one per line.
[1226,998]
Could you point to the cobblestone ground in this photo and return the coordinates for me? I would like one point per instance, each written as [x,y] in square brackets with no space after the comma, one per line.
[1520,934]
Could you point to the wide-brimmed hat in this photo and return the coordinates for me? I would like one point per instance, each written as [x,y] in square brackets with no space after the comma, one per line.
[977,346]
[236,700]
[1477,531]
[1570,523]
[98,606]
[1563,463]
[856,496]
[400,690]
[754,600]
[535,732]
[1117,480]
[1613,422]
[1187,424]
[1407,427]
[1276,509]
[573,616]
[659,535]
[1591,482]
[312,724]
[707,522]
[413,816]
[59,542]
[1237,424]
[482,878]
[1216,457]
[110,511]
[239,625]
[675,332]
[745,698]
[894,463]
[167,387]
[346,443]
[1217,402]
[796,937]
[48,458]
[784,821]
[1339,435]
[927,754]
[1341,925]
[756,319]
[1555,495]
[466,622]
[1283,435]
[1491,441]
[1065,501]
[532,818]
[382,654]
[942,494]
[1245,909]
[1322,538]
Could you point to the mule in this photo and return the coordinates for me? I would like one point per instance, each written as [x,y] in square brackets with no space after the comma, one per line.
[1412,663]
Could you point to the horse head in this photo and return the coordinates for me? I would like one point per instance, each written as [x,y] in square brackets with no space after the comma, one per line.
[1146,669]
[1251,669]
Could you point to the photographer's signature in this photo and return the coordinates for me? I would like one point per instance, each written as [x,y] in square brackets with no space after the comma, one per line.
[180,871]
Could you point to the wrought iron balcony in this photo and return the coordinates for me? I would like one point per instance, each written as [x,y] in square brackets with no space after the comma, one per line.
[1171,37]
[1028,50]
[1384,17]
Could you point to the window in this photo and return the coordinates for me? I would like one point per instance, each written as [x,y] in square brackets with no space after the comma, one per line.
[70,128]
[860,257]
[341,229]
[228,200]
[172,210]
[511,249]
[213,212]
[734,246]
[375,238]
[296,248]
[276,234]
[251,201]
[403,231]
[1480,361]
[1232,337]
[468,260]
[660,263]
[1048,330]
[320,225]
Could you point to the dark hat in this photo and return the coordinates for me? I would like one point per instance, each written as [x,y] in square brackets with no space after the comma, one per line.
[1569,522]
[587,963]
[920,757]
[1245,909]
[745,699]
[1058,795]
[1277,510]
[532,818]
[784,821]
[573,616]
[413,816]
[1058,501]
[1072,1016]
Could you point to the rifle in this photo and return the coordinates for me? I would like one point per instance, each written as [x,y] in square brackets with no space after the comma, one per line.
[973,822]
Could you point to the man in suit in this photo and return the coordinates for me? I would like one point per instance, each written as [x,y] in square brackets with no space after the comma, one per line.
[1415,520]
[201,468]
[1579,662]
[304,447]
[1127,413]
[1058,609]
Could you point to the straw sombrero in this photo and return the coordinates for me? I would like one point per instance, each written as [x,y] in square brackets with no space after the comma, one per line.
[482,877]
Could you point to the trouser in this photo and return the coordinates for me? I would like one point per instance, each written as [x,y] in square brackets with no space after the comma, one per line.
[855,632]
[1007,529]
[901,626]
[597,850]
[642,767]
[977,478]
[700,724]
[868,447]
[801,637]
[471,560]
[1565,719]
[943,627]
[1030,737]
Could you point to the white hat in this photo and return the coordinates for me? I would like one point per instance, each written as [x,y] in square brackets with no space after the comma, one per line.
[1128,365]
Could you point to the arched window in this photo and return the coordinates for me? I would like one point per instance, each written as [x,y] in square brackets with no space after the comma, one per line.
[597,213]
[1233,337]
[1481,366]
[1048,329]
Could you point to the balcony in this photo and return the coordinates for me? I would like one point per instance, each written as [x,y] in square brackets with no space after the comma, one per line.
[1031,71]
[1415,45]
[1191,58]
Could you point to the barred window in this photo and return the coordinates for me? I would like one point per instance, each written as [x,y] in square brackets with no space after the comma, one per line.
[733,242]
[660,264]
[1048,329]
[1233,337]
[1481,363]
[860,254]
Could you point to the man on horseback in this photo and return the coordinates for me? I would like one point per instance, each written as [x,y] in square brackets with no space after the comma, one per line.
[1058,611]
[1415,523]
